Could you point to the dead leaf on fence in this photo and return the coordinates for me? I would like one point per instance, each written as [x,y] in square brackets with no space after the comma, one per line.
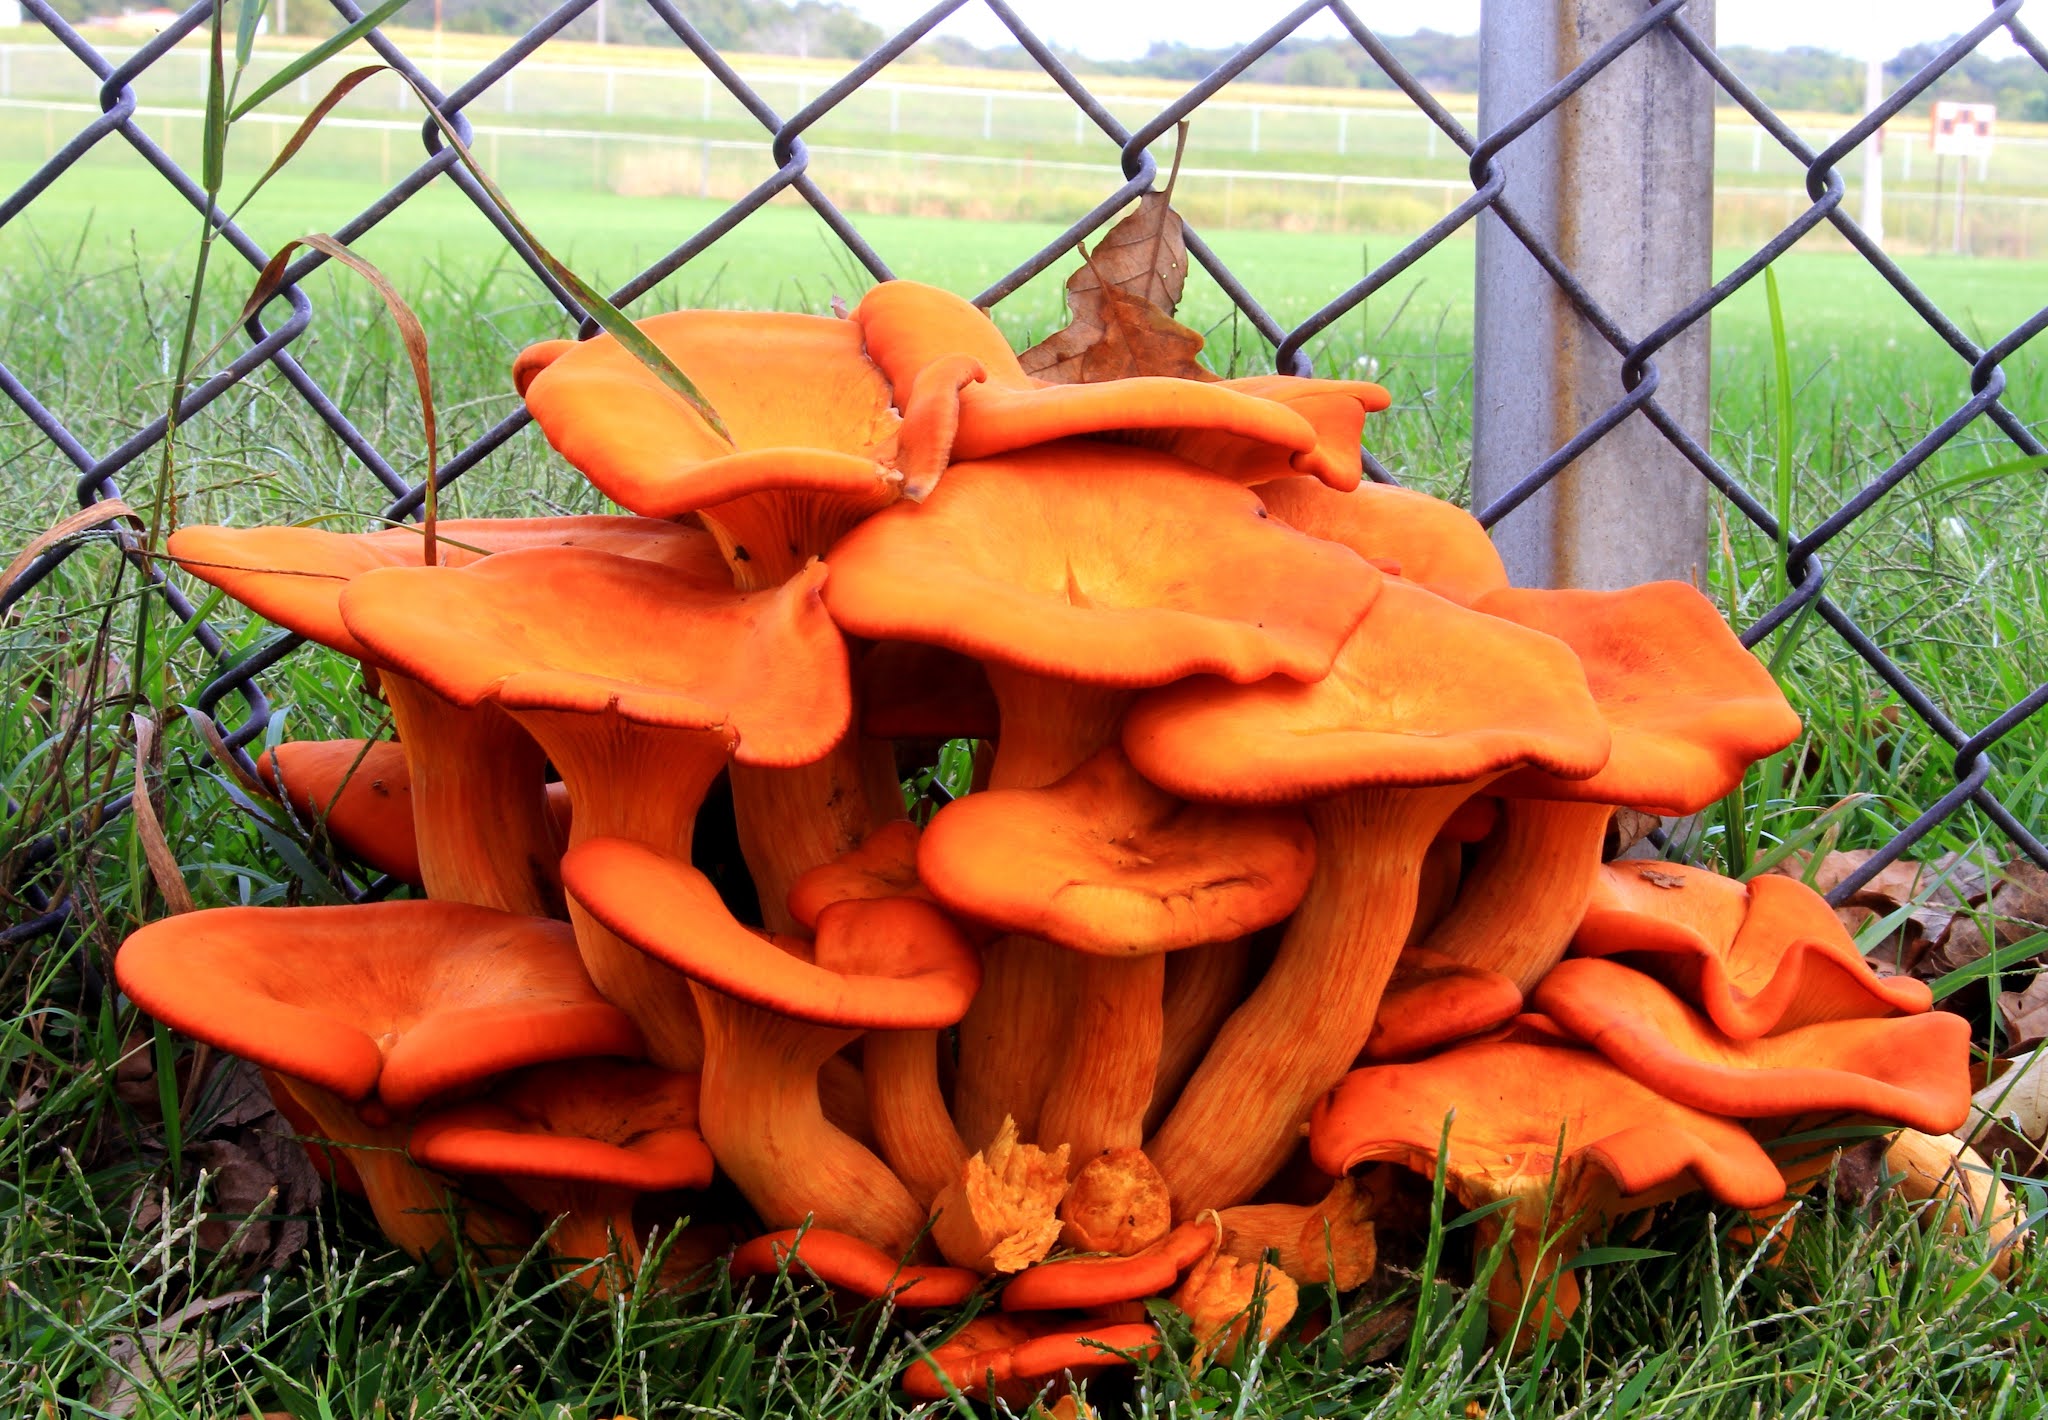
[1122,301]
[80,523]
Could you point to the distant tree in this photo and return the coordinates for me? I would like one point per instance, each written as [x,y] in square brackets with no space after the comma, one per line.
[1320,68]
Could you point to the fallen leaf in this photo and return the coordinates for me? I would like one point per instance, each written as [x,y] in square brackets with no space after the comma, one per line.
[2010,1114]
[1122,301]
[2015,909]
[1625,829]
[1935,892]
[2024,1014]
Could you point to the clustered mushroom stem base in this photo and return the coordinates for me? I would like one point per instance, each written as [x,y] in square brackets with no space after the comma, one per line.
[791,820]
[645,784]
[1296,1035]
[479,801]
[589,1221]
[912,1127]
[1109,1058]
[1011,1037]
[759,1111]
[1517,909]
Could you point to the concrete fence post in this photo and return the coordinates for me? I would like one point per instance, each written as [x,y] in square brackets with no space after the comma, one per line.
[1619,183]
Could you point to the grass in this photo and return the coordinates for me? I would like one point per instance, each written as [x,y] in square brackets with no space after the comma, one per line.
[117,1293]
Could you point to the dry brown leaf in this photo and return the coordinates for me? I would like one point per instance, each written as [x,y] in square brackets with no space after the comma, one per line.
[2010,1114]
[2015,909]
[2024,1014]
[1122,301]
[83,521]
[156,850]
[1625,829]
[1935,892]
[154,1354]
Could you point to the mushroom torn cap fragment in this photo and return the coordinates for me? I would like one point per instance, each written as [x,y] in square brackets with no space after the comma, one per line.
[826,407]
[1103,862]
[359,791]
[1431,1001]
[1437,545]
[844,1261]
[402,1001]
[1691,708]
[1911,1070]
[878,964]
[295,576]
[884,865]
[593,1121]
[1117,1203]
[1251,429]
[541,631]
[1220,1294]
[1001,1214]
[1789,963]
[1100,564]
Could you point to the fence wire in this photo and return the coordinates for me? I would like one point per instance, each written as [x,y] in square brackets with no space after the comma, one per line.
[271,334]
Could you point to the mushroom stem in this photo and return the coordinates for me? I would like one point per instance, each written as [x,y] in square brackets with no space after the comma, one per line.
[915,1132]
[479,802]
[643,783]
[1518,907]
[411,1206]
[1202,986]
[1108,1056]
[759,1112]
[1009,1042]
[1296,1035]
[594,1218]
[791,820]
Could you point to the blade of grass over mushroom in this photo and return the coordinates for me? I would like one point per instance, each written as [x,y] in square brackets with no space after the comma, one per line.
[410,331]
[615,321]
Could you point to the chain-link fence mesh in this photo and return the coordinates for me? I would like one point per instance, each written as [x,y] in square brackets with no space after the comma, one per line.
[1980,381]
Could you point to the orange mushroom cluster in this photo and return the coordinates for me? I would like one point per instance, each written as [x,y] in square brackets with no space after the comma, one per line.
[1291,824]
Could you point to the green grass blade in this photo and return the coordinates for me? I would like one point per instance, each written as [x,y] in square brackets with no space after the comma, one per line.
[316,56]
[214,141]
[245,32]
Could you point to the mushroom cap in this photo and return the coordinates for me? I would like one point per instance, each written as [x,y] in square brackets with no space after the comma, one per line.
[884,865]
[1912,1070]
[588,1121]
[1099,564]
[1249,430]
[820,418]
[400,1000]
[1511,1105]
[1003,1357]
[1786,962]
[1691,708]
[573,630]
[1395,711]
[1432,1000]
[1102,862]
[844,1261]
[1102,1281]
[295,576]
[1435,544]
[360,789]
[887,963]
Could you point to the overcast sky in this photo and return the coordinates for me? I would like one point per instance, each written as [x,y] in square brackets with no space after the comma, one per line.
[1120,29]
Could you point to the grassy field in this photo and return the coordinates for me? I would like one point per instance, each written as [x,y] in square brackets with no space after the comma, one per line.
[115,1300]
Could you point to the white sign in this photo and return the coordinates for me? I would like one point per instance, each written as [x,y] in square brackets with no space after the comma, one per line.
[1963,130]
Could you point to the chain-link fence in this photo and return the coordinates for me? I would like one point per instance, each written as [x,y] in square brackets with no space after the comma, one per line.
[1980,381]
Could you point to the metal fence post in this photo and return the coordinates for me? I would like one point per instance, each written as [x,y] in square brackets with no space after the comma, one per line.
[1619,183]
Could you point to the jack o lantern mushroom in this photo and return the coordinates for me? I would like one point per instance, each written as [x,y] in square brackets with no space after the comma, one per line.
[370,1012]
[484,832]
[1690,708]
[1384,750]
[773,1018]
[1076,573]
[1121,873]
[578,1142]
[1433,544]
[357,791]
[637,725]
[1564,1134]
[843,1261]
